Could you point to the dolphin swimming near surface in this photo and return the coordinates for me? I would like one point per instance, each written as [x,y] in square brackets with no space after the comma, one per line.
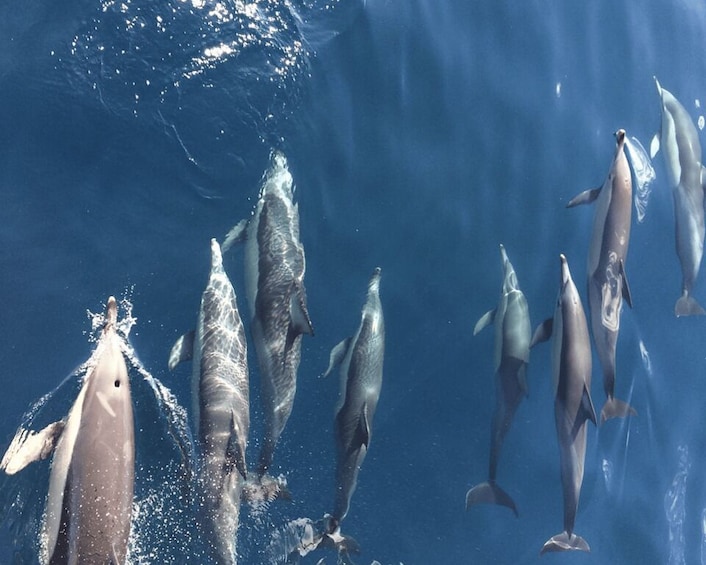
[571,367]
[512,338]
[607,282]
[89,503]
[360,358]
[220,396]
[682,155]
[274,283]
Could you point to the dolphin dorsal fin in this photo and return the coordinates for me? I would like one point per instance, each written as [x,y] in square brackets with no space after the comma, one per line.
[543,332]
[586,197]
[363,432]
[485,320]
[587,408]
[337,354]
[626,287]
[236,452]
[182,350]
[298,313]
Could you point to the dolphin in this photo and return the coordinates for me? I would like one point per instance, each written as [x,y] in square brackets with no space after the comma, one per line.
[360,358]
[274,284]
[89,503]
[682,156]
[571,364]
[512,339]
[220,396]
[607,282]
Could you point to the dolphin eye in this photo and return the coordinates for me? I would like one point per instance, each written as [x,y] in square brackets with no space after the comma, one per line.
[117,384]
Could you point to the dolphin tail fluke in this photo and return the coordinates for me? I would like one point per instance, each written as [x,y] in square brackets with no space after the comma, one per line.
[262,490]
[615,408]
[688,306]
[565,542]
[489,493]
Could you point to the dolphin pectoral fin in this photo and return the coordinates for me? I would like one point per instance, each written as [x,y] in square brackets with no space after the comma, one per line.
[654,145]
[703,177]
[485,320]
[626,287]
[298,313]
[614,408]
[586,197]
[182,350]
[489,493]
[565,542]
[543,332]
[236,450]
[28,446]
[337,355]
[688,306]
[363,431]
[237,234]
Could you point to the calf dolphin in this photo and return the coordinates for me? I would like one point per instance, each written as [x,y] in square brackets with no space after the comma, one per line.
[571,364]
[89,502]
[512,339]
[682,156]
[220,390]
[607,282]
[360,358]
[274,284]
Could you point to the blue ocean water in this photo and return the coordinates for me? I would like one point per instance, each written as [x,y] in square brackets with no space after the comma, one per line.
[420,135]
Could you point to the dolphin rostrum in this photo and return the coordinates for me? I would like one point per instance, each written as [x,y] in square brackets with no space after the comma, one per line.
[512,339]
[274,283]
[360,358]
[571,365]
[220,390]
[682,155]
[607,282]
[91,483]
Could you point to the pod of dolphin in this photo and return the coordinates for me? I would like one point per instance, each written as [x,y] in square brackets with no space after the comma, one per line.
[88,509]
[607,288]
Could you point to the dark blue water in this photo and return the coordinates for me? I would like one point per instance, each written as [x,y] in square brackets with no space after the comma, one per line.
[420,135]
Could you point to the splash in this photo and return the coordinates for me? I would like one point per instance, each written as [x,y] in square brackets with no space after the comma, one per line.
[646,358]
[675,508]
[643,173]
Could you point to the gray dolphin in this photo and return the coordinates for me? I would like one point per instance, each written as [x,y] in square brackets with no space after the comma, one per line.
[607,282]
[682,155]
[274,284]
[571,364]
[89,503]
[220,395]
[512,339]
[360,358]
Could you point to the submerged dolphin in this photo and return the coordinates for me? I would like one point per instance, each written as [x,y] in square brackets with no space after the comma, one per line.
[571,363]
[220,390]
[360,358]
[512,339]
[274,282]
[89,503]
[682,155]
[607,283]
